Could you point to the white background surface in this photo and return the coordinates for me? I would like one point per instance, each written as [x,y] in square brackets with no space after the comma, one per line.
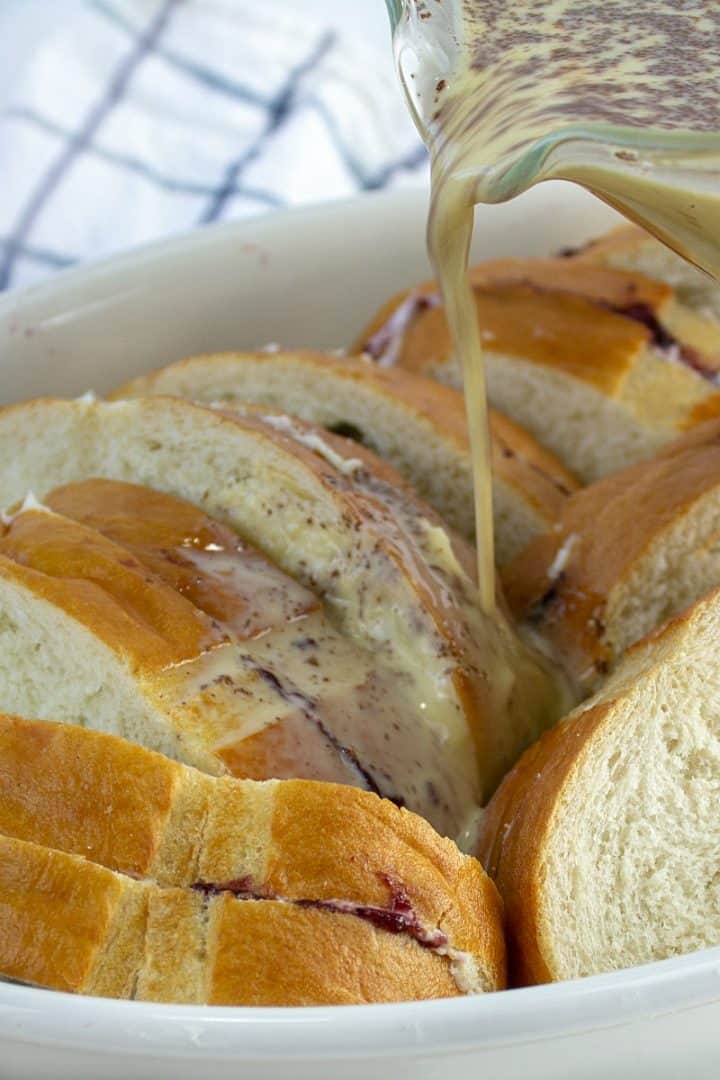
[224,109]
[23,22]
[365,19]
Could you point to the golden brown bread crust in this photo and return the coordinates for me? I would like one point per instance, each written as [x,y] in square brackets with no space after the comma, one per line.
[67,924]
[189,551]
[265,952]
[689,312]
[608,331]
[615,288]
[301,854]
[567,341]
[90,793]
[539,310]
[565,580]
[102,585]
[392,849]
[57,915]
[291,837]
[327,959]
[63,790]
[542,327]
[709,409]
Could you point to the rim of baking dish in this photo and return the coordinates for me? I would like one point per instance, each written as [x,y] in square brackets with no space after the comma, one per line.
[539,1013]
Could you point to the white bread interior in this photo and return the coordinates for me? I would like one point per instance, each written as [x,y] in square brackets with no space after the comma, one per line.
[63,660]
[593,430]
[590,431]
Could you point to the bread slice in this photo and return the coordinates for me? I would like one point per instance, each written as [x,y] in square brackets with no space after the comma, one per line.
[628,552]
[603,839]
[602,367]
[134,656]
[419,427]
[629,248]
[284,892]
[68,924]
[462,690]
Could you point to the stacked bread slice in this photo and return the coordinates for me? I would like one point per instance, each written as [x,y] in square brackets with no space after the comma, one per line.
[413,423]
[627,553]
[602,366]
[603,840]
[629,248]
[372,665]
[125,874]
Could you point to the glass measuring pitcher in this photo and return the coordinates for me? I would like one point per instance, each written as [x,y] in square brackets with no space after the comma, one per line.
[621,98]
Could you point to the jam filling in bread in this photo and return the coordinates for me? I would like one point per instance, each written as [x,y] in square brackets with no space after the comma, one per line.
[222,890]
[96,932]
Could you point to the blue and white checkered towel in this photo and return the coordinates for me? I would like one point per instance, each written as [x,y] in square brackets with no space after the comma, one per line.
[132,119]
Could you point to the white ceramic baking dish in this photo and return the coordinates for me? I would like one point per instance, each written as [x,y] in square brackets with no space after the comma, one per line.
[313,277]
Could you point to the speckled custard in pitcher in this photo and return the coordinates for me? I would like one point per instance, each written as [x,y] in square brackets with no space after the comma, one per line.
[621,98]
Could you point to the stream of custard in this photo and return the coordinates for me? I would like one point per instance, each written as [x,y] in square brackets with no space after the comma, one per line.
[621,98]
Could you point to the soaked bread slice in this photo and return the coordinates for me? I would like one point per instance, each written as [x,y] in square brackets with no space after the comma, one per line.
[603,839]
[131,654]
[627,553]
[395,680]
[416,425]
[602,366]
[225,891]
